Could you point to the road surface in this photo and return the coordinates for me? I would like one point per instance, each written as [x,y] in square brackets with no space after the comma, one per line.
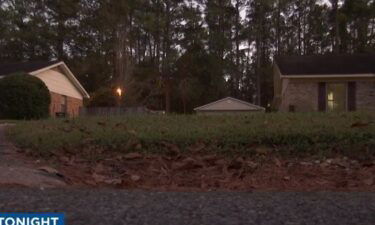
[115,207]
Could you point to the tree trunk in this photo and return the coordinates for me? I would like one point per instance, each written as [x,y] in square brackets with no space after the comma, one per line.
[237,39]
[336,26]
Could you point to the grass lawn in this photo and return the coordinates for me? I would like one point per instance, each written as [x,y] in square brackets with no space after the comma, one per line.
[351,134]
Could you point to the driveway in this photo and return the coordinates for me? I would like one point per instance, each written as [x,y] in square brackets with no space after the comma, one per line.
[16,170]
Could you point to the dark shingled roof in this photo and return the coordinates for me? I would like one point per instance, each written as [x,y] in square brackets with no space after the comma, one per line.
[27,67]
[326,64]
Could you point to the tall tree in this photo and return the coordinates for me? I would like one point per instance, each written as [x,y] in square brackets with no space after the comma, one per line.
[335,28]
[177,54]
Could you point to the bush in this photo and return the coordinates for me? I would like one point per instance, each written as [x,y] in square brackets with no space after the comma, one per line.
[104,97]
[23,96]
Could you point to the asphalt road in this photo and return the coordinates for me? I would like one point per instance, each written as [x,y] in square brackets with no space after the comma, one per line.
[114,207]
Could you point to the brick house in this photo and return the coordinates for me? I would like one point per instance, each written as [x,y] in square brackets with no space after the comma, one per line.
[325,83]
[67,93]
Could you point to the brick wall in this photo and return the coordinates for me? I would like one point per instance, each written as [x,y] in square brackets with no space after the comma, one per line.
[302,95]
[73,105]
[365,95]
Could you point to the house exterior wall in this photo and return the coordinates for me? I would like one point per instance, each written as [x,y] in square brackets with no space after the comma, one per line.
[365,95]
[59,83]
[59,86]
[277,87]
[277,81]
[302,95]
[73,105]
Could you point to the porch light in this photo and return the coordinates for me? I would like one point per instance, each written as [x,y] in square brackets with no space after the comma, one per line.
[119,92]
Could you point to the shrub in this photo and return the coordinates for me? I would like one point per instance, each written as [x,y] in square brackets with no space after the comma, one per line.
[104,97]
[23,96]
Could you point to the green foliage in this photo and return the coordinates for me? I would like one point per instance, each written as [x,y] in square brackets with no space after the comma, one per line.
[23,96]
[137,43]
[105,97]
[198,80]
[287,134]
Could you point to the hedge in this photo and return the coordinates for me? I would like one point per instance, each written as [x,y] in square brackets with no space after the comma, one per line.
[23,96]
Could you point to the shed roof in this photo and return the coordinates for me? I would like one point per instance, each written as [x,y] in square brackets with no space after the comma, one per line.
[229,104]
[326,64]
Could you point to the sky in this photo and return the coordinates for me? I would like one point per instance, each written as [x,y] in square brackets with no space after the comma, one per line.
[326,2]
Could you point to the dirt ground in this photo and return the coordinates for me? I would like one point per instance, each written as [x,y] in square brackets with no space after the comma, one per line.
[189,171]
[202,172]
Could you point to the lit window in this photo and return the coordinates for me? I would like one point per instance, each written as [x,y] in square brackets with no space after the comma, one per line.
[336,97]
[330,96]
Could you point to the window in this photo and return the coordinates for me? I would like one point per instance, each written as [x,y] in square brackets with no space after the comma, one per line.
[336,97]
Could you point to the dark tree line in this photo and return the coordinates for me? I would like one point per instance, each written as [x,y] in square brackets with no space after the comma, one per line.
[178,54]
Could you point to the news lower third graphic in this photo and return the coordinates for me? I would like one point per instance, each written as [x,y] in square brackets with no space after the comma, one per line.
[32,219]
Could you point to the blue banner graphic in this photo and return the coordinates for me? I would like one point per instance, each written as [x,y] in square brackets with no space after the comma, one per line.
[32,219]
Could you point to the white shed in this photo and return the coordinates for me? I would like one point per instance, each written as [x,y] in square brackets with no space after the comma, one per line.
[229,105]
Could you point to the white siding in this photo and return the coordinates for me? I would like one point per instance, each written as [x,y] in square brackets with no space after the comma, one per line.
[229,105]
[59,83]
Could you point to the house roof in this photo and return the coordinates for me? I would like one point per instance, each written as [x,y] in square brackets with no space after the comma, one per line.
[229,104]
[35,68]
[27,67]
[326,65]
